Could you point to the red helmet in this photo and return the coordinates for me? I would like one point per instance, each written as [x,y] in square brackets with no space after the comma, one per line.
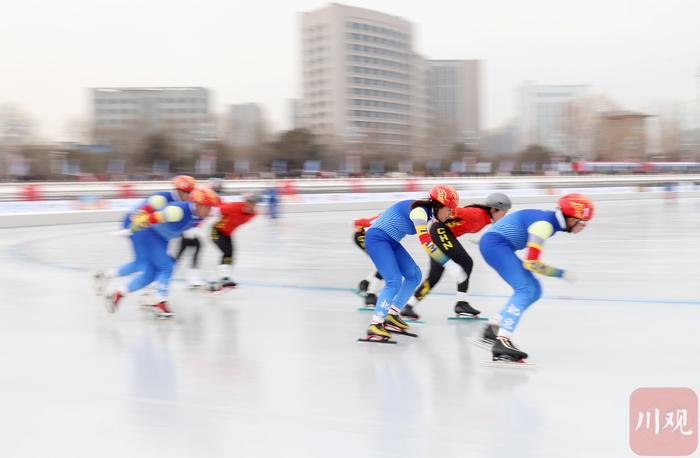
[576,206]
[184,183]
[205,196]
[446,195]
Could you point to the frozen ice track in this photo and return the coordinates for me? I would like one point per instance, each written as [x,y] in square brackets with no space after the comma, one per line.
[273,369]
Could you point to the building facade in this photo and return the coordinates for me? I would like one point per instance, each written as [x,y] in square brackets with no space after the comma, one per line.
[295,118]
[246,126]
[454,102]
[179,112]
[358,80]
[544,115]
[622,136]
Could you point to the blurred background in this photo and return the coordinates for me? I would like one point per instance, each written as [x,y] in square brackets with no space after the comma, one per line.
[126,90]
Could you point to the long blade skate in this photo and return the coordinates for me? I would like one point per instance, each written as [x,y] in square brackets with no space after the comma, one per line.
[365,309]
[465,317]
[481,343]
[505,364]
[408,320]
[401,332]
[377,339]
[215,288]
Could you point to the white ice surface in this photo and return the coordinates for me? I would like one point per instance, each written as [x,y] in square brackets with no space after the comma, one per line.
[273,369]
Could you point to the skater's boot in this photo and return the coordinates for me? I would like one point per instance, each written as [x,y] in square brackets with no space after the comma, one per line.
[394,323]
[487,337]
[370,300]
[409,313]
[376,331]
[161,310]
[113,301]
[504,350]
[225,279]
[489,334]
[362,287]
[463,309]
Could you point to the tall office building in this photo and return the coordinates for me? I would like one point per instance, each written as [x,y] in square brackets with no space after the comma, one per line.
[545,115]
[358,81]
[454,100]
[246,128]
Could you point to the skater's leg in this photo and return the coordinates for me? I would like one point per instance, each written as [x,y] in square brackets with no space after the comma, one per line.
[197,246]
[133,266]
[163,270]
[145,278]
[225,245]
[453,249]
[380,249]
[460,268]
[145,242]
[184,243]
[412,277]
[526,288]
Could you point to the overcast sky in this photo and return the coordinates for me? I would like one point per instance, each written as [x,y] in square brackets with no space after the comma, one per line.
[639,52]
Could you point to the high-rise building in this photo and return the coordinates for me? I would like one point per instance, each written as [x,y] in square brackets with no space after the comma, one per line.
[295,119]
[246,127]
[545,116]
[454,102]
[358,78]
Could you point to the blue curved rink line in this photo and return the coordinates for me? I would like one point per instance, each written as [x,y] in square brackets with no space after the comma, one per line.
[19,254]
[495,296]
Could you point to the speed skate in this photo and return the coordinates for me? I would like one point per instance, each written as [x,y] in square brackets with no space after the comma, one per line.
[501,363]
[467,318]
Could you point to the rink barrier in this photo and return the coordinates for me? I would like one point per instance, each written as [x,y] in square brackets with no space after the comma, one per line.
[122,189]
[351,202]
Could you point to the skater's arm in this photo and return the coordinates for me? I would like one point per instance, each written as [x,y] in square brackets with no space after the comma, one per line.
[154,203]
[468,220]
[169,214]
[537,233]
[419,217]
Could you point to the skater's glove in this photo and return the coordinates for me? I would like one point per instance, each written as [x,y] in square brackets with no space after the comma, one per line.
[539,267]
[567,275]
[139,221]
[142,220]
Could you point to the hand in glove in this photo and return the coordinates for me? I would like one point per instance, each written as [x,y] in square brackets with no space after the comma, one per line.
[539,267]
[568,276]
[140,220]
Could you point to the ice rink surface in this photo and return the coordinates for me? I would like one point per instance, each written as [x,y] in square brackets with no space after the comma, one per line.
[273,368]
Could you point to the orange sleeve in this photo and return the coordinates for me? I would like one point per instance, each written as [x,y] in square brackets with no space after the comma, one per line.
[474,218]
[364,222]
